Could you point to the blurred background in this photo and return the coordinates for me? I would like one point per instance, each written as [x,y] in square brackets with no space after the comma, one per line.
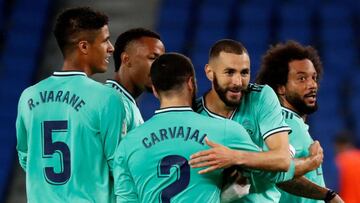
[28,53]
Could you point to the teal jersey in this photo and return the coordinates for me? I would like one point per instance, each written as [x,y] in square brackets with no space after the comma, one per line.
[259,112]
[67,132]
[151,163]
[300,139]
[133,116]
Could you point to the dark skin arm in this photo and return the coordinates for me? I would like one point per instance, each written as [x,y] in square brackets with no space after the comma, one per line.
[305,188]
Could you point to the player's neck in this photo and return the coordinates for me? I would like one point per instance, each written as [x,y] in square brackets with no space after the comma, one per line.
[173,102]
[73,65]
[124,81]
[216,105]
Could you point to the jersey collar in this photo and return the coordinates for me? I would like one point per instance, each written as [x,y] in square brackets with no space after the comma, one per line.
[215,115]
[121,89]
[69,73]
[174,109]
[287,109]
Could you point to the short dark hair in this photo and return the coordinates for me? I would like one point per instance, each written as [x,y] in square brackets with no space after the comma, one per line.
[74,21]
[170,71]
[125,38]
[275,63]
[227,46]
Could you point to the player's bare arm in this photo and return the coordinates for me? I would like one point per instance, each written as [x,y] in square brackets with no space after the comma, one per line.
[305,188]
[219,156]
[311,162]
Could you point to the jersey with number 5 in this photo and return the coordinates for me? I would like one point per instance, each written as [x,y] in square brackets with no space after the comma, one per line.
[67,131]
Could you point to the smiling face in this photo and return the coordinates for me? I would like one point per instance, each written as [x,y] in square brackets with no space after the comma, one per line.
[230,76]
[142,54]
[302,86]
[100,51]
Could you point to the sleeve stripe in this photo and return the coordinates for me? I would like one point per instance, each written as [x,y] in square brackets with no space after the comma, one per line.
[276,130]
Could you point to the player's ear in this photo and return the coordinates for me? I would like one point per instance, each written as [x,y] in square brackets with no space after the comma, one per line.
[83,47]
[125,59]
[209,72]
[191,83]
[155,92]
[280,90]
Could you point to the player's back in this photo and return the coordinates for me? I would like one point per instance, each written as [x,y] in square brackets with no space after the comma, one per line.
[67,123]
[156,155]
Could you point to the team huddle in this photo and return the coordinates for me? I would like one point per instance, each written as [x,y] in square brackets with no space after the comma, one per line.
[82,141]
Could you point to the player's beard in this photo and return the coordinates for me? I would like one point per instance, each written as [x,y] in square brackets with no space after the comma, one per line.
[222,94]
[299,104]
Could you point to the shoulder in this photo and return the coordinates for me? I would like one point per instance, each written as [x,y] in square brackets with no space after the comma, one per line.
[259,92]
[105,95]
[289,115]
[260,96]
[293,120]
[29,91]
[105,91]
[253,87]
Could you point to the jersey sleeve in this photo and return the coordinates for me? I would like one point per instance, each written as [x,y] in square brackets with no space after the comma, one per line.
[125,190]
[111,124]
[21,136]
[270,118]
[237,138]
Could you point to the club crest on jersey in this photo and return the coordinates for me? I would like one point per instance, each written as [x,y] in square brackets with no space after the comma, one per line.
[249,127]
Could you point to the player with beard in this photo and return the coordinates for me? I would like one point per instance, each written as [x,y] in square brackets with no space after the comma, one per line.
[151,162]
[135,50]
[257,109]
[293,72]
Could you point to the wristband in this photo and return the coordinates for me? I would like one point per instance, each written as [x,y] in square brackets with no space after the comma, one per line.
[330,195]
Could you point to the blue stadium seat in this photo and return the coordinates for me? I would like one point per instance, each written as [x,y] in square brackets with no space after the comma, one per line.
[339,60]
[173,21]
[334,13]
[295,23]
[207,36]
[254,14]
[23,43]
[298,33]
[148,104]
[340,35]
[255,39]
[200,58]
[292,14]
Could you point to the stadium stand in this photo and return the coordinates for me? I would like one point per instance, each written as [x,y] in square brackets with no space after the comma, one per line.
[19,61]
[190,27]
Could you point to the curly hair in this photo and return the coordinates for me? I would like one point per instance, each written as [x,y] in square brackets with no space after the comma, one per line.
[275,63]
[125,38]
[72,23]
